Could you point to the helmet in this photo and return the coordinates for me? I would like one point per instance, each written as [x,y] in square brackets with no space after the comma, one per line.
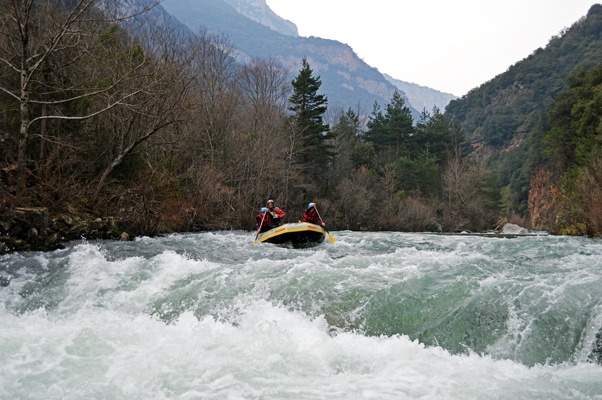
[270,201]
[263,209]
[311,205]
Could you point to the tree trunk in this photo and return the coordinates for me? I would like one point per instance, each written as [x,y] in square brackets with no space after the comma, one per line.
[23,132]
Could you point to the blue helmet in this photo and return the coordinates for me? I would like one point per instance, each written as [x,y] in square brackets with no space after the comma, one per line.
[263,209]
[311,205]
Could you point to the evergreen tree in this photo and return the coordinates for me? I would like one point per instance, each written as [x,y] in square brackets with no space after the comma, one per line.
[434,134]
[309,107]
[392,130]
[348,127]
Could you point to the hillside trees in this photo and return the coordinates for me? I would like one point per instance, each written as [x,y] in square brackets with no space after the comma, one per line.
[575,151]
[471,195]
[506,117]
[266,161]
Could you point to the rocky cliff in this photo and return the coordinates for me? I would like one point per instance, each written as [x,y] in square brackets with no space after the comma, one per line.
[259,11]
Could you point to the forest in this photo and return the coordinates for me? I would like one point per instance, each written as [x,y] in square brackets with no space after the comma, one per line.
[120,116]
[508,116]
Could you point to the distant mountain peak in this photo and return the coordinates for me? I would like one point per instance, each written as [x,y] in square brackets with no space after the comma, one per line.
[422,97]
[259,11]
[347,80]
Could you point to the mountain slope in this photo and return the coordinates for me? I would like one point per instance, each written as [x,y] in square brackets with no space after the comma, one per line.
[422,97]
[506,117]
[346,79]
[511,103]
[259,11]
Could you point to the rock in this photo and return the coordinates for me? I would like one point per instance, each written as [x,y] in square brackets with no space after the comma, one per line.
[259,11]
[53,242]
[75,232]
[596,354]
[29,229]
[71,209]
[67,220]
[16,230]
[36,217]
[5,226]
[98,224]
[514,229]
[32,234]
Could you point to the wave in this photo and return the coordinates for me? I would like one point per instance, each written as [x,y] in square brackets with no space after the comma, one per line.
[373,315]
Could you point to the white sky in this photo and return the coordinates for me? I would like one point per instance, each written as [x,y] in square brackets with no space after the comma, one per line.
[451,46]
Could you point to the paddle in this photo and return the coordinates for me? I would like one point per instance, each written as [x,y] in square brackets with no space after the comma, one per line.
[332,240]
[259,229]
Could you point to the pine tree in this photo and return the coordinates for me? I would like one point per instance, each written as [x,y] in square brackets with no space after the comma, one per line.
[394,129]
[309,108]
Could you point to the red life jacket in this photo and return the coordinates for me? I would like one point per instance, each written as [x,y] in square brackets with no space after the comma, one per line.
[311,216]
[265,225]
[278,213]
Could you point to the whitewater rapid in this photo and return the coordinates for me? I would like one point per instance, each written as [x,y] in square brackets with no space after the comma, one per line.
[372,316]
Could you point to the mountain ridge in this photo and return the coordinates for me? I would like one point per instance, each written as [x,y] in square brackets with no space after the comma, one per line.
[511,102]
[346,79]
[259,11]
[422,97]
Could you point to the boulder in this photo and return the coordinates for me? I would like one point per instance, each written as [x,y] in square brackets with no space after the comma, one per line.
[5,226]
[32,234]
[98,224]
[514,229]
[36,217]
[28,228]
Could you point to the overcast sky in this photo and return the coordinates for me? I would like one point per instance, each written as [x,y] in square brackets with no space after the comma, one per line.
[451,46]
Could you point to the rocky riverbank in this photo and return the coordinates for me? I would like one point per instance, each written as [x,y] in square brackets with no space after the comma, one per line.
[32,228]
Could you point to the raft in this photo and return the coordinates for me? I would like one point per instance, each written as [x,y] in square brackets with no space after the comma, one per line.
[301,233]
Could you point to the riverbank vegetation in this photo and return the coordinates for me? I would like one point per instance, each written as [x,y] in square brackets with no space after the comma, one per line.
[125,120]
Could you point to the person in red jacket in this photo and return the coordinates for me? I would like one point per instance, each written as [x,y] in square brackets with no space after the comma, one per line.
[264,219]
[311,215]
[277,214]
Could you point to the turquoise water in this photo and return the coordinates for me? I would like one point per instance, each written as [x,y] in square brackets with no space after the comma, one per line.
[372,316]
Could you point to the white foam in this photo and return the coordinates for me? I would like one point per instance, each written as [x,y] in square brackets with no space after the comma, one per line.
[244,330]
[268,352]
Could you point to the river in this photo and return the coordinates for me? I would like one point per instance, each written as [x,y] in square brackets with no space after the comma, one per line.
[376,315]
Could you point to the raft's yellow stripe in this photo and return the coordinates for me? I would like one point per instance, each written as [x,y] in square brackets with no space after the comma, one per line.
[278,232]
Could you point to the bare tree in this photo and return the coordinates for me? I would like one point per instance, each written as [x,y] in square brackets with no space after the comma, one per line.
[463,182]
[165,78]
[265,148]
[36,33]
[215,99]
[357,195]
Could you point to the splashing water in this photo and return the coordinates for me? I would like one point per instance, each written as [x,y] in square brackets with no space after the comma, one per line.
[374,315]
